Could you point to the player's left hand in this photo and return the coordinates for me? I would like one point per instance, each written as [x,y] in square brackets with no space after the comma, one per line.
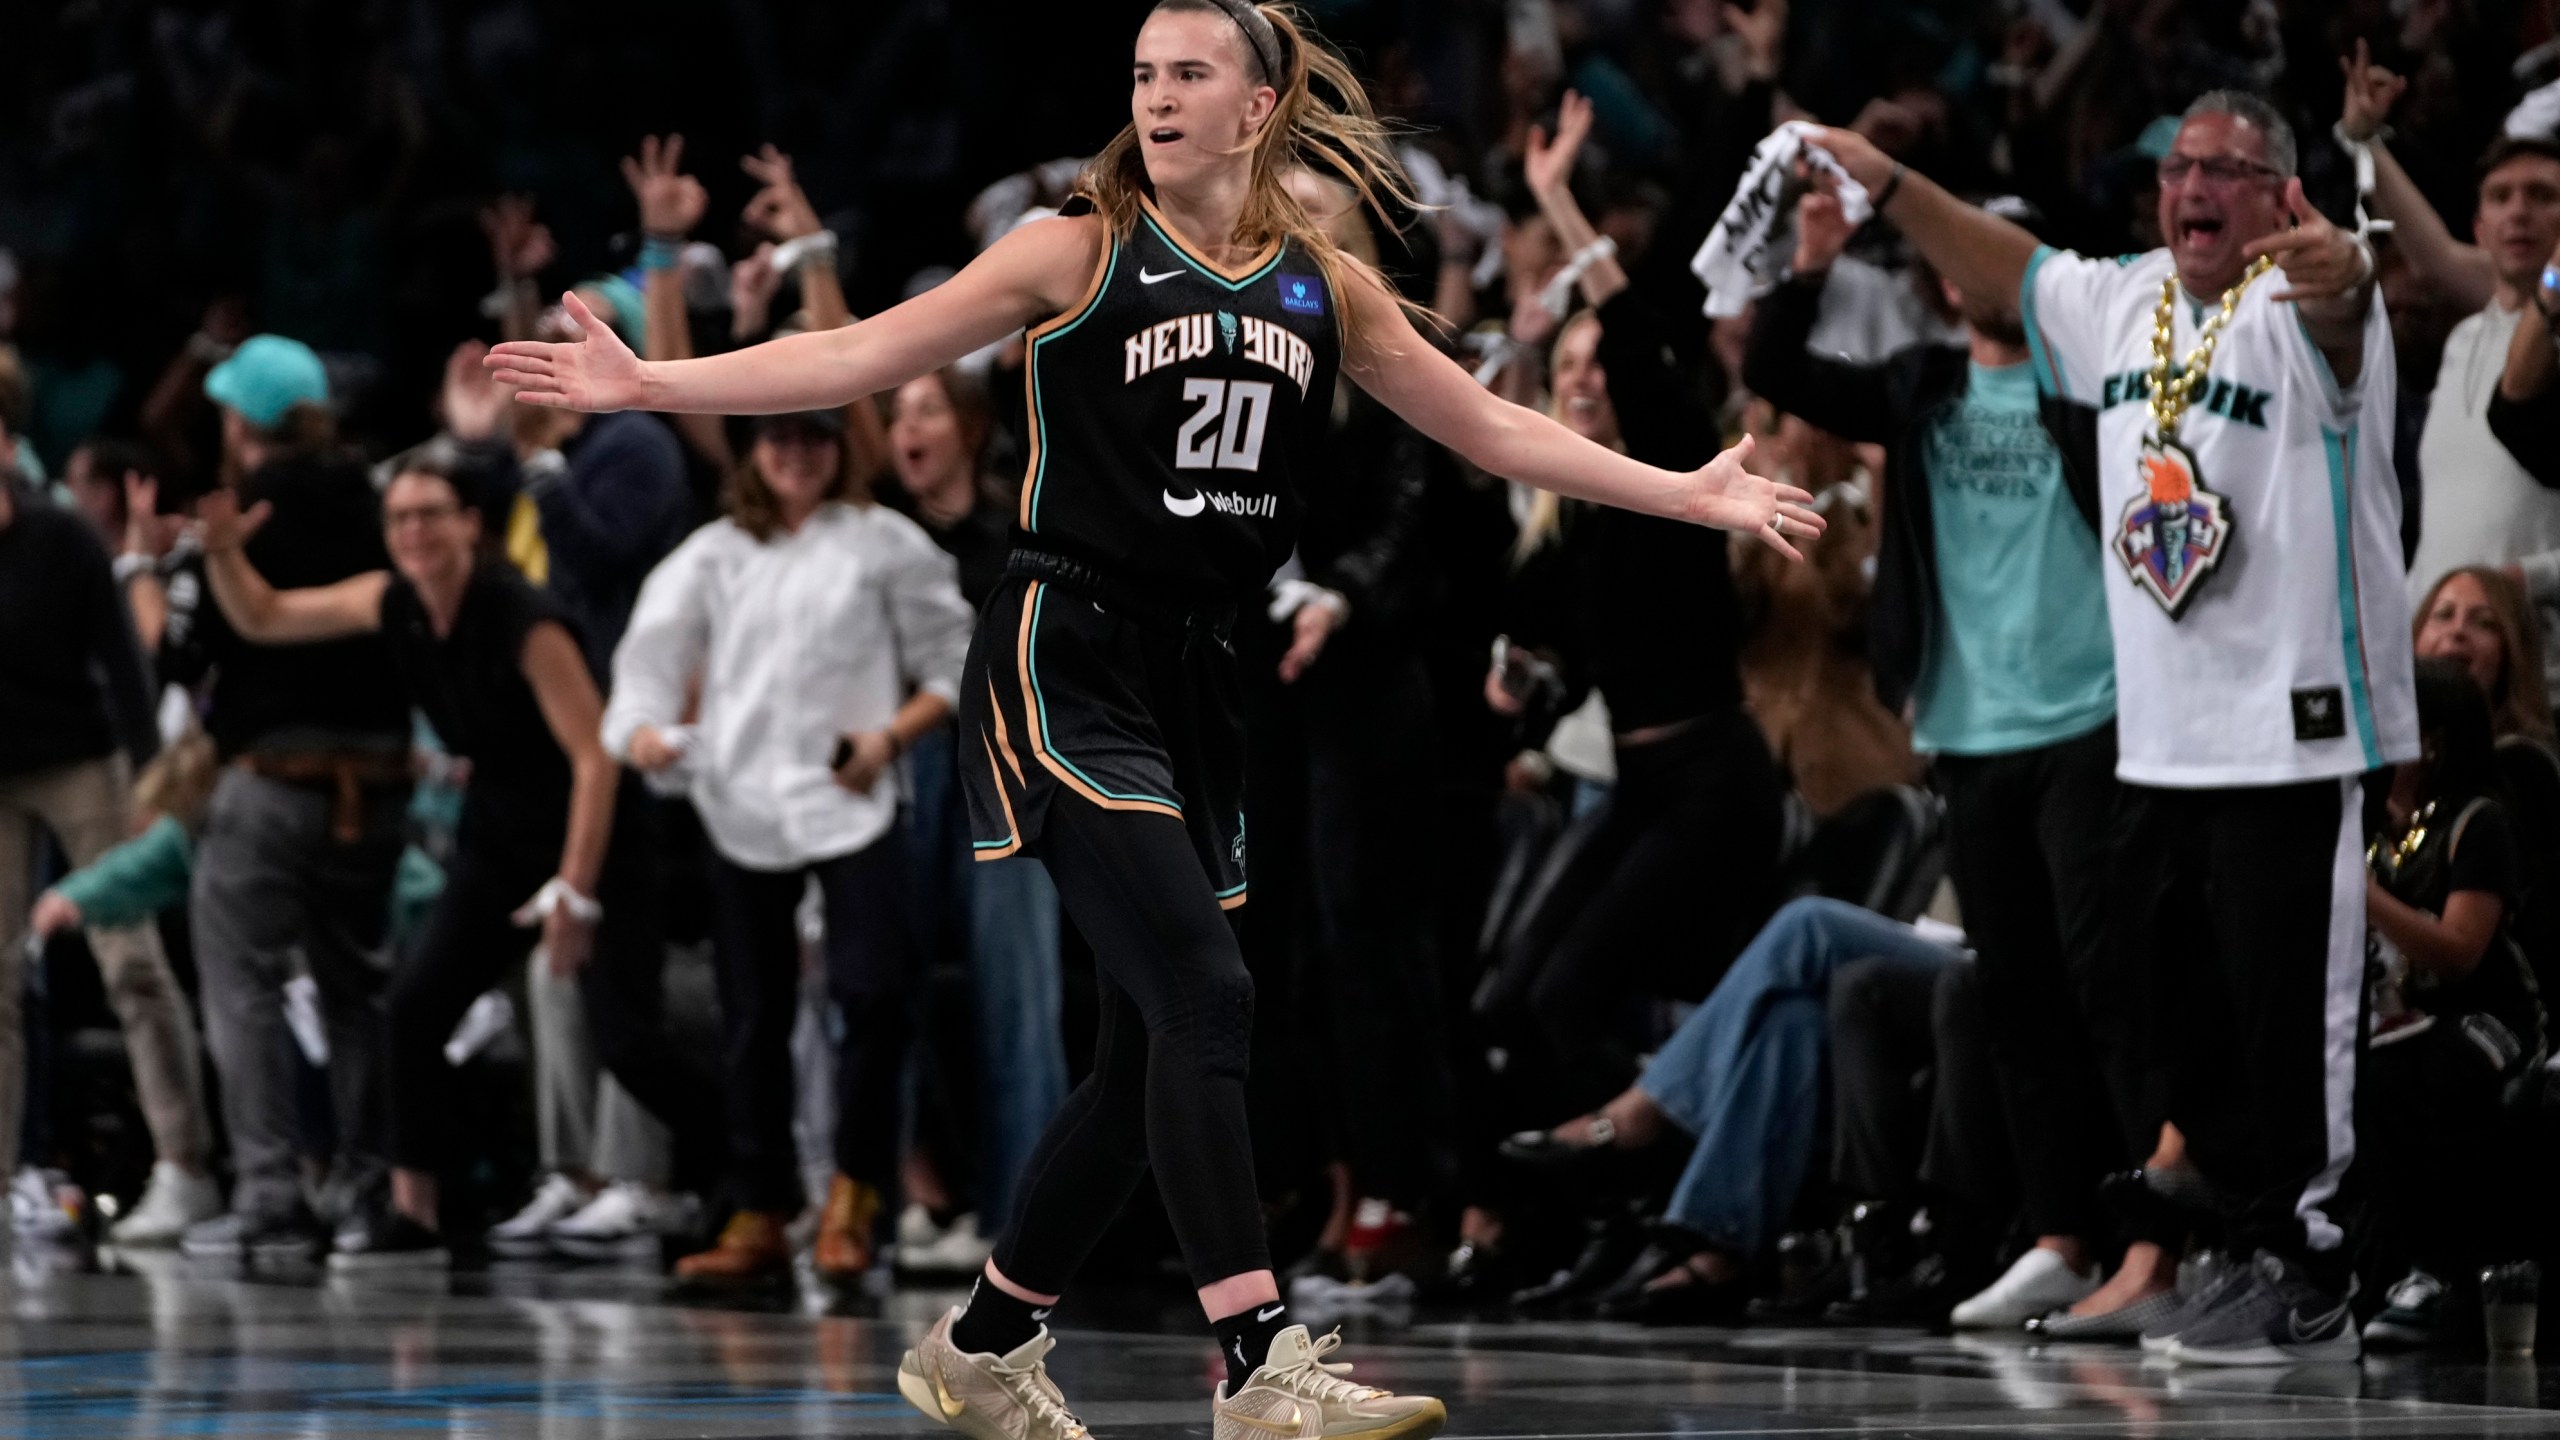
[2319,260]
[1729,497]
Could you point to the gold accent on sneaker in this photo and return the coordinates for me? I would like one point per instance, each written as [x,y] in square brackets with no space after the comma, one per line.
[942,1393]
[986,1397]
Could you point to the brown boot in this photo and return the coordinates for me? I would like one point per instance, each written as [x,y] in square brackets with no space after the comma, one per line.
[751,1250]
[843,1250]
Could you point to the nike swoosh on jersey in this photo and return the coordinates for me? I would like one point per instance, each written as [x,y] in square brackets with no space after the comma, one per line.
[1185,508]
[1149,277]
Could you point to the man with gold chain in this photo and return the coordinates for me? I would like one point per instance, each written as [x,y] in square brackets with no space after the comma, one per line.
[2243,377]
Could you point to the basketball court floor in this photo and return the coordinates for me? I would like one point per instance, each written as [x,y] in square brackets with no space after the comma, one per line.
[164,1347]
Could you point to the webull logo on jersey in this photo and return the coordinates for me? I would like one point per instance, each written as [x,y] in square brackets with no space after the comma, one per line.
[1225,502]
[1191,337]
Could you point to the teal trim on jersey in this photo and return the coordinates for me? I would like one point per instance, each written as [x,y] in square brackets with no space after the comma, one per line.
[2339,448]
[1232,891]
[2046,378]
[1185,257]
[1031,663]
[995,844]
[2337,393]
[1039,411]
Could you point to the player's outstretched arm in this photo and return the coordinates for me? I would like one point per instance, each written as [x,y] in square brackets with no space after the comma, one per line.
[1034,272]
[1413,378]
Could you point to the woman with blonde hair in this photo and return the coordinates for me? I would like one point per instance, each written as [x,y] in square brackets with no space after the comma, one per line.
[1187,321]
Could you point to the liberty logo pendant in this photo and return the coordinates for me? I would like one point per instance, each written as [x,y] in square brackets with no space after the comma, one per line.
[2174,534]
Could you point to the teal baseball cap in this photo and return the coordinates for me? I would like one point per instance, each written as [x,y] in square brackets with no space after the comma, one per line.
[267,376]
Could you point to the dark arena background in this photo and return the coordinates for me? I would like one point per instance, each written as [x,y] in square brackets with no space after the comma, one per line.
[517,922]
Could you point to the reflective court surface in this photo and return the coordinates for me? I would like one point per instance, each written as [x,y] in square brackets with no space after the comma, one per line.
[177,1349]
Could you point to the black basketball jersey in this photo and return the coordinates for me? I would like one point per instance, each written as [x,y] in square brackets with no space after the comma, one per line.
[1171,409]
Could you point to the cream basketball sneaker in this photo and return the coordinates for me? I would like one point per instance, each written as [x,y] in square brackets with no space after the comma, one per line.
[987,1397]
[1296,1394]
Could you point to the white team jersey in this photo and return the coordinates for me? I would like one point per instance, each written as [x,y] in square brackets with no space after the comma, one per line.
[2261,618]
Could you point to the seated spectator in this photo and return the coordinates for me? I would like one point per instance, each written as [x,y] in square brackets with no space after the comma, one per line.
[1743,1078]
[2457,1022]
[2478,617]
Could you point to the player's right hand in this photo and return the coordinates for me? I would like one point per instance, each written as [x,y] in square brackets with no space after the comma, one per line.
[594,373]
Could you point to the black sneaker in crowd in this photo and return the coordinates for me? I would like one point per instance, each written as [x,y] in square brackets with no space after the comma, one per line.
[372,1242]
[2274,1315]
[2414,1316]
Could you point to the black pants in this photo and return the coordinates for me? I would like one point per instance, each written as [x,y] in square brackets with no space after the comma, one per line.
[872,964]
[1679,877]
[471,943]
[2248,908]
[1169,1061]
[2445,1163]
[2066,1010]
[1915,1102]
[1375,964]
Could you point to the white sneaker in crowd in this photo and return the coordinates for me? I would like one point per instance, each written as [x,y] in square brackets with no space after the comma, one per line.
[526,1235]
[925,1248]
[2039,1283]
[174,1200]
[36,1207]
[626,1220]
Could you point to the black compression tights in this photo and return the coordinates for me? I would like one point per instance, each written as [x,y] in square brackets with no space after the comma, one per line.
[1168,1065]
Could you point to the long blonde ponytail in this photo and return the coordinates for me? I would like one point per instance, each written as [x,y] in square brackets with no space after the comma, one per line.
[1340,137]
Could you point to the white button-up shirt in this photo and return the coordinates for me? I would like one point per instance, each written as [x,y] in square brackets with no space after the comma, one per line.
[797,640]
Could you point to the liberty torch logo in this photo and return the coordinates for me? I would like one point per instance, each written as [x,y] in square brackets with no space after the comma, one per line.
[2176,532]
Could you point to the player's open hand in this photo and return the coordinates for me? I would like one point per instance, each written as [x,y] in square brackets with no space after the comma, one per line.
[2320,261]
[1729,497]
[596,372]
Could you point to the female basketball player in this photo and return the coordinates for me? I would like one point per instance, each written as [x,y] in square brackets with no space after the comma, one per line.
[1187,318]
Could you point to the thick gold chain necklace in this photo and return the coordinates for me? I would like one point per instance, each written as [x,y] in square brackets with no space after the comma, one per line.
[2171,394]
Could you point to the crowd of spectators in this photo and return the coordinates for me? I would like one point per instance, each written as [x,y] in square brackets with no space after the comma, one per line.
[496,831]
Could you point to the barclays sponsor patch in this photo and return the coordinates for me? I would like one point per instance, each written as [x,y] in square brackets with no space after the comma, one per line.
[1301,294]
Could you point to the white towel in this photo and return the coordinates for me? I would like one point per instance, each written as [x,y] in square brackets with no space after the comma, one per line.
[1756,233]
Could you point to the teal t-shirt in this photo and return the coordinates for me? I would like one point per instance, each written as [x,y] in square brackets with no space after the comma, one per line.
[2021,655]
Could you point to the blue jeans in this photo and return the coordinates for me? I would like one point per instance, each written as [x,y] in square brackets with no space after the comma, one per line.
[1744,1073]
[1011,913]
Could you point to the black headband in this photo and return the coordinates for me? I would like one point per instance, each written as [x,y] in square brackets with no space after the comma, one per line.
[1258,33]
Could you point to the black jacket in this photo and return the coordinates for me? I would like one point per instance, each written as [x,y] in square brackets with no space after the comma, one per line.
[2530,429]
[1893,403]
[72,685]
